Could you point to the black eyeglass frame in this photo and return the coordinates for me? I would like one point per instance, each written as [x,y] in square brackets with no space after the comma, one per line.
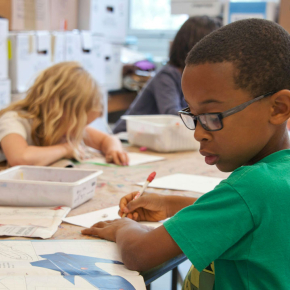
[221,115]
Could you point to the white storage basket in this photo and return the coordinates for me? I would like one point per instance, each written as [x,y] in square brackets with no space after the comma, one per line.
[162,133]
[46,186]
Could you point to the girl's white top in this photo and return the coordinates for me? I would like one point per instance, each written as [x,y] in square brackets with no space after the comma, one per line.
[11,123]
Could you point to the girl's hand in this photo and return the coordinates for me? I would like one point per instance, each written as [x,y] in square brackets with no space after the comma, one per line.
[118,157]
[69,151]
[107,230]
[149,207]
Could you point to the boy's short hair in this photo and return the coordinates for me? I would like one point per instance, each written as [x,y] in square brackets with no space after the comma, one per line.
[259,50]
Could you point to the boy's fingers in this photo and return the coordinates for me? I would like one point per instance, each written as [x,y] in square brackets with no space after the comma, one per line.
[137,203]
[91,231]
[125,200]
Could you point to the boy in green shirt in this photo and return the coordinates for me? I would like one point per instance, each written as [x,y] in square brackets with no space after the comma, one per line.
[236,83]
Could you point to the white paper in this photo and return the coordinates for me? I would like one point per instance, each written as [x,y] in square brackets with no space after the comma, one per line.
[111,213]
[188,182]
[134,159]
[31,221]
[64,265]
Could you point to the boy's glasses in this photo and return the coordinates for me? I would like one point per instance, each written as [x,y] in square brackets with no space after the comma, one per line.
[213,121]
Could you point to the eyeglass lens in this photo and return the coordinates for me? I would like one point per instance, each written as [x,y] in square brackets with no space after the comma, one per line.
[209,122]
[189,122]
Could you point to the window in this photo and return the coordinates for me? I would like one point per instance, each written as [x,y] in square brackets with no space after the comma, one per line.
[153,17]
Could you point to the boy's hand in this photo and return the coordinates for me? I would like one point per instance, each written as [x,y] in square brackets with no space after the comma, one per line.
[118,157]
[107,230]
[149,207]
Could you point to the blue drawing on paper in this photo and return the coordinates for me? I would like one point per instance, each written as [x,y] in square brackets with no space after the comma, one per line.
[76,265]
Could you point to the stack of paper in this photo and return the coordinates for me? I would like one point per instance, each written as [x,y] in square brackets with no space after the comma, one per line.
[36,222]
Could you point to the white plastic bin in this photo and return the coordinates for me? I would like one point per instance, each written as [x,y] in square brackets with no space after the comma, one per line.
[46,186]
[162,133]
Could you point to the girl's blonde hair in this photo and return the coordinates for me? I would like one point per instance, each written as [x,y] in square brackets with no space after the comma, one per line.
[58,102]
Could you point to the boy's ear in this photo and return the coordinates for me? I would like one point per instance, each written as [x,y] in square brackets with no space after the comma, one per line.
[280,107]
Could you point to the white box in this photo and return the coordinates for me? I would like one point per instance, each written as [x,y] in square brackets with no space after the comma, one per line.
[17,97]
[73,46]
[31,53]
[101,123]
[5,95]
[3,48]
[162,133]
[21,63]
[57,47]
[43,51]
[105,17]
[113,66]
[92,56]
[239,10]
[46,186]
[196,7]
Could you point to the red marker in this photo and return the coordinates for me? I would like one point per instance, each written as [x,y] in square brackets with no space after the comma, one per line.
[139,193]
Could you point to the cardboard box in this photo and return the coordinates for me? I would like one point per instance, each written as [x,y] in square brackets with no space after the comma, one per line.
[56,14]
[31,53]
[196,7]
[239,10]
[3,48]
[284,14]
[40,14]
[5,95]
[108,18]
[113,66]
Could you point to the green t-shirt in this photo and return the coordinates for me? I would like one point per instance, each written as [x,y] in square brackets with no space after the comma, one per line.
[243,225]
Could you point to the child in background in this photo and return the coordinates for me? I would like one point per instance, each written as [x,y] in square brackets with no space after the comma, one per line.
[237,86]
[163,94]
[51,122]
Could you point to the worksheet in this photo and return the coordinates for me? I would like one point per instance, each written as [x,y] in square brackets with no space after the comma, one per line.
[36,222]
[134,159]
[65,265]
[188,182]
[111,213]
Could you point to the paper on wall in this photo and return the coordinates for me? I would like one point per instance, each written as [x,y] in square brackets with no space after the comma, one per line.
[188,182]
[33,222]
[111,213]
[134,159]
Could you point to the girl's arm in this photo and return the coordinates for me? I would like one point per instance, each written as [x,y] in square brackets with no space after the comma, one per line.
[18,152]
[110,146]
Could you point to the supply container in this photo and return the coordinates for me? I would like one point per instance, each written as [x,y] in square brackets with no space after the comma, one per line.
[46,186]
[161,133]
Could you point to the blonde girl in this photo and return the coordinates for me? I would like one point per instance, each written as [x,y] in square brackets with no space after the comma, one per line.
[51,122]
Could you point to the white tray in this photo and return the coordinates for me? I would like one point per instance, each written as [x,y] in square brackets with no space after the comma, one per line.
[162,133]
[46,186]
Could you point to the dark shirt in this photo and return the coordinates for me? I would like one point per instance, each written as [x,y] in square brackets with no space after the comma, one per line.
[161,95]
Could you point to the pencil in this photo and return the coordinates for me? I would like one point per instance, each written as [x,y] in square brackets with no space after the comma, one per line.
[140,192]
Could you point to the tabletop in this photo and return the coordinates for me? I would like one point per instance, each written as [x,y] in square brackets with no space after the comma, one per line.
[117,181]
